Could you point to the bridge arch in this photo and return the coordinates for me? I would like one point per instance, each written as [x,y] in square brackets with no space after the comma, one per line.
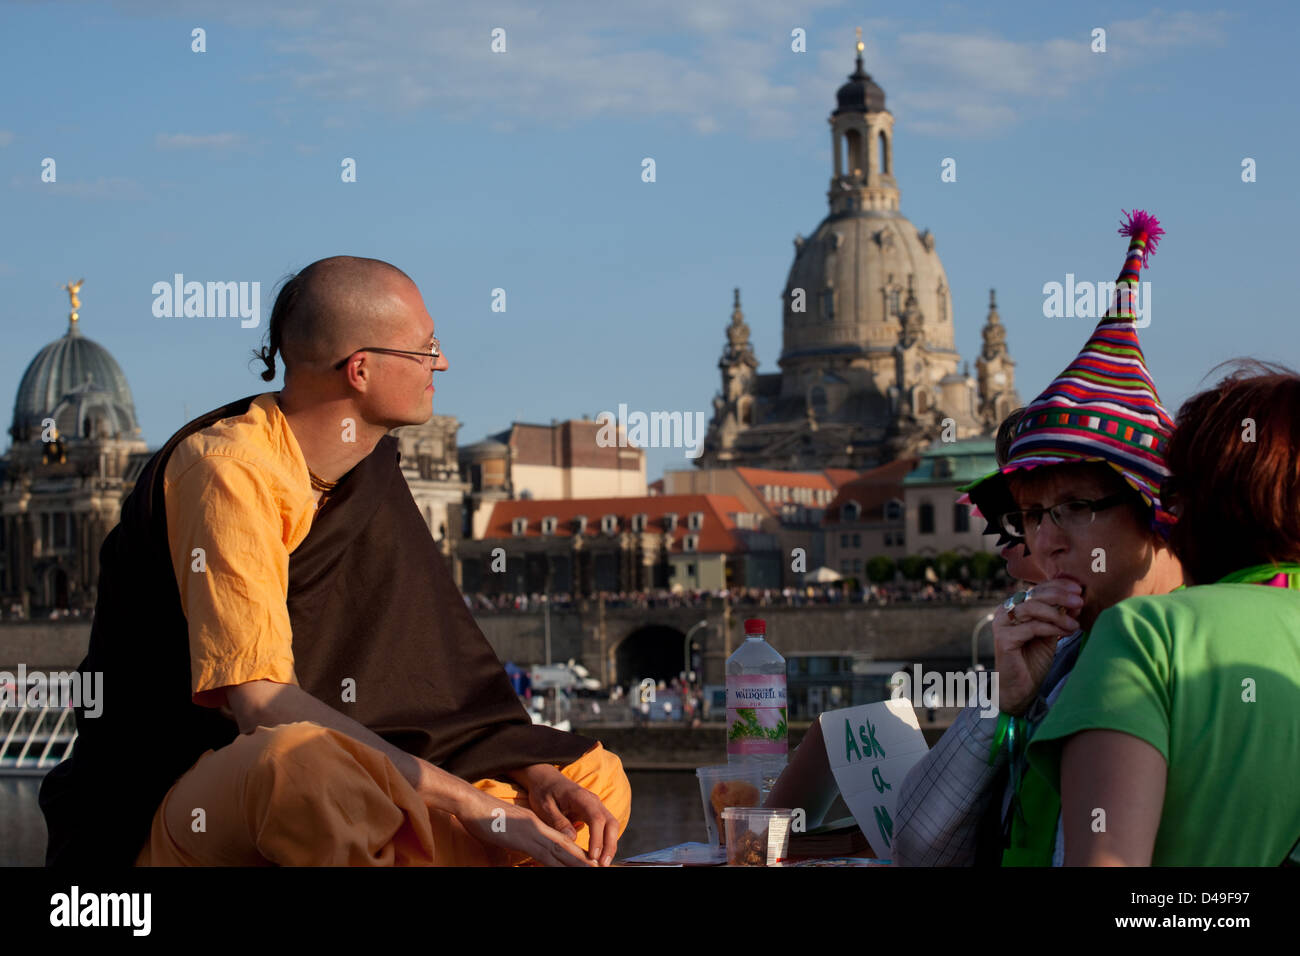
[656,651]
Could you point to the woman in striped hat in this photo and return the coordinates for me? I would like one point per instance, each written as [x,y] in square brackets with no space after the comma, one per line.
[1085,471]
[1180,729]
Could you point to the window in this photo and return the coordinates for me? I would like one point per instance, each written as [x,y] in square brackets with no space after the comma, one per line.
[518,526]
[670,521]
[580,524]
[60,529]
[857,565]
[893,510]
[696,521]
[844,541]
[961,518]
[926,516]
[828,305]
[691,543]
[852,511]
[638,522]
[690,570]
[889,539]
[548,525]
[893,302]
[609,524]
[857,541]
[844,566]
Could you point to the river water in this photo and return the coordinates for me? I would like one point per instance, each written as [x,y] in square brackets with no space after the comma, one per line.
[666,809]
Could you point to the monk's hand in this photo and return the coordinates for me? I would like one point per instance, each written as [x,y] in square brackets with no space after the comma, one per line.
[1024,643]
[503,824]
[560,802]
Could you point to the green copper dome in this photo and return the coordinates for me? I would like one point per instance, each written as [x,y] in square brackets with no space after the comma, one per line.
[79,384]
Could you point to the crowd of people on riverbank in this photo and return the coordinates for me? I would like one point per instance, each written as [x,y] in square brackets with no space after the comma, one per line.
[904,592]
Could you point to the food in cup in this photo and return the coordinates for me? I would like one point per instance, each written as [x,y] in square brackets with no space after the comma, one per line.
[731,793]
[757,837]
[723,786]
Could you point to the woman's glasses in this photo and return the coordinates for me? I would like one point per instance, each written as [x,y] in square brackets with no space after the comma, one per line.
[1068,515]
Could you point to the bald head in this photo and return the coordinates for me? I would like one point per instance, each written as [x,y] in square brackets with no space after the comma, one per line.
[332,307]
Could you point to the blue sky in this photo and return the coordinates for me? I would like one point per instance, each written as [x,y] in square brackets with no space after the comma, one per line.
[522,171]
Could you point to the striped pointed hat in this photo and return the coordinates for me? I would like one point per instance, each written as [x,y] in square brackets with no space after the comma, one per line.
[1104,406]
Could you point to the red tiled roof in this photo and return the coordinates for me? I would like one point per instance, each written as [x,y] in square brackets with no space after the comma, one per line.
[789,479]
[871,490]
[842,476]
[716,535]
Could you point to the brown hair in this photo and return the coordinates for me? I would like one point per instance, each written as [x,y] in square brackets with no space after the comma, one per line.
[1235,459]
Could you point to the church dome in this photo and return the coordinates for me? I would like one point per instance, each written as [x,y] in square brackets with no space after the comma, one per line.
[79,384]
[855,270]
[861,94]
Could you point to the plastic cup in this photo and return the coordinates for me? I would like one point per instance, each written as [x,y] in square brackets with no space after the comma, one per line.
[773,767]
[727,786]
[757,837]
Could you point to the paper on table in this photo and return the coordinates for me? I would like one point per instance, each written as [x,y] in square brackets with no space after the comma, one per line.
[871,748]
[683,854]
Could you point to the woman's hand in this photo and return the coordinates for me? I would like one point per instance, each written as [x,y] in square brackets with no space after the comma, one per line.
[1024,640]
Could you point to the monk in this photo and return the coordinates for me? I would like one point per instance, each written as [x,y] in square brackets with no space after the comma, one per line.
[292,676]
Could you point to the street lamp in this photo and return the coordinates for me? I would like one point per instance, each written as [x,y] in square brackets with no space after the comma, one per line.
[975,638]
[686,650]
[547,610]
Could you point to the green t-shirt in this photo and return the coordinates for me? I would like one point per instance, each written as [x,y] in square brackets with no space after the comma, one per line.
[1175,670]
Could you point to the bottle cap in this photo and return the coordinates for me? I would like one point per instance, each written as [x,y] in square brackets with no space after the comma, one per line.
[755,625]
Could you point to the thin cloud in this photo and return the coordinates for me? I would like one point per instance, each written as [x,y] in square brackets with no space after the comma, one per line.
[712,64]
[105,187]
[970,85]
[198,140]
[6,137]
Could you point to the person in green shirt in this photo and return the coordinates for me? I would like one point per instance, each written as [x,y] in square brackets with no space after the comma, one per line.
[1176,741]
[1081,488]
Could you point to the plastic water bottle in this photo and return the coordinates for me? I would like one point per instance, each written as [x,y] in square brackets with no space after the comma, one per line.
[756,702]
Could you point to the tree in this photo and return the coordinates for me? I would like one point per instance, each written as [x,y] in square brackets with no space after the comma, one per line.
[913,567]
[881,569]
[946,564]
[981,565]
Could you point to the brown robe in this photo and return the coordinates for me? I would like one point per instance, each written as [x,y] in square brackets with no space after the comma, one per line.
[370,598]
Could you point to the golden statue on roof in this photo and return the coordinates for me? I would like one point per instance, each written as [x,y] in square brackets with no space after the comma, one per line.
[72,289]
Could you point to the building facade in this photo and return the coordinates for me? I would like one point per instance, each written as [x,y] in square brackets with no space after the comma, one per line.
[935,521]
[869,371]
[560,460]
[76,452]
[584,546]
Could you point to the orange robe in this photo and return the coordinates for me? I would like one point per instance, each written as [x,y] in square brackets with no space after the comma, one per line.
[305,795]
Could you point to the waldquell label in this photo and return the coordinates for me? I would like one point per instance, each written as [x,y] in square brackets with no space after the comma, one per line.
[756,723]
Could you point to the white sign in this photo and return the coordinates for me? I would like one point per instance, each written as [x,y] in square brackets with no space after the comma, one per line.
[546,676]
[871,748]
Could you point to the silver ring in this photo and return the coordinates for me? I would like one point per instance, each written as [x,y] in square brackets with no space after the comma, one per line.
[1020,597]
